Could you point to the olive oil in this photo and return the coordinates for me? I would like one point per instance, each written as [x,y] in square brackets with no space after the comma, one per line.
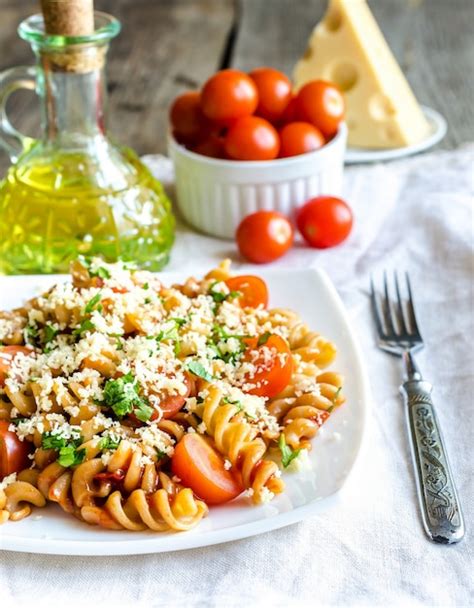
[53,209]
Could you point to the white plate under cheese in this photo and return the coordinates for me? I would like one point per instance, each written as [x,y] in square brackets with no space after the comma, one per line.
[348,48]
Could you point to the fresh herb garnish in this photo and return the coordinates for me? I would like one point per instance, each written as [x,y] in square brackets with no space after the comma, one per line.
[198,369]
[101,272]
[86,325]
[143,411]
[30,332]
[145,286]
[122,397]
[107,443]
[69,453]
[287,454]
[93,304]
[263,339]
[160,454]
[220,297]
[50,333]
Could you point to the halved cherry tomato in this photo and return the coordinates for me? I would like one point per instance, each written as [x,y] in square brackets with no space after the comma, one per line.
[169,405]
[264,236]
[252,138]
[324,221]
[272,373]
[229,95]
[7,355]
[321,104]
[274,92]
[186,117]
[201,468]
[13,452]
[299,138]
[253,290]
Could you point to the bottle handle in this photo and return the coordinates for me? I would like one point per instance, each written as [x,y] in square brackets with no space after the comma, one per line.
[11,140]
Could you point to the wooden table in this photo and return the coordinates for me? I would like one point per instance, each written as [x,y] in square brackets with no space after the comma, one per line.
[168,46]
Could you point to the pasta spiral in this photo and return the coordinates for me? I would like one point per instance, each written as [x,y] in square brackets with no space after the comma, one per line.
[236,439]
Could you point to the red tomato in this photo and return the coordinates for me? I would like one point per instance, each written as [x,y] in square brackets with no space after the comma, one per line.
[13,452]
[299,138]
[253,290]
[229,95]
[252,138]
[212,146]
[186,117]
[264,236]
[169,405]
[324,221]
[7,355]
[201,468]
[272,374]
[322,104]
[290,113]
[274,92]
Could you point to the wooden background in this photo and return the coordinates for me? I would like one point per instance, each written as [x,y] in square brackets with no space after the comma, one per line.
[168,46]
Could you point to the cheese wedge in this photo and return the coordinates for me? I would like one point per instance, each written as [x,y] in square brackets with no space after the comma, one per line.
[348,48]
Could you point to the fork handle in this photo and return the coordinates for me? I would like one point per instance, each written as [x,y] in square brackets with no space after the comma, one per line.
[440,508]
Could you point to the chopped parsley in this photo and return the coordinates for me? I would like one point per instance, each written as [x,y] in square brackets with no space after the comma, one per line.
[107,443]
[69,453]
[287,454]
[49,334]
[100,272]
[86,325]
[122,397]
[145,286]
[198,369]
[93,304]
[30,333]
[263,339]
[220,297]
[160,454]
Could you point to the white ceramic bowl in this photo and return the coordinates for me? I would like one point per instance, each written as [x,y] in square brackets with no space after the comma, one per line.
[215,195]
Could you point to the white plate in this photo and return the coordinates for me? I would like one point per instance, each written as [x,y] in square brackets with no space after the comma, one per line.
[311,293]
[438,131]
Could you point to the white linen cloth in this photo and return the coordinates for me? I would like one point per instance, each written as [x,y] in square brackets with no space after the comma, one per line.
[370,550]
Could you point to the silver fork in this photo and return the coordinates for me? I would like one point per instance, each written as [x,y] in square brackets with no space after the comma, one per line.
[399,335]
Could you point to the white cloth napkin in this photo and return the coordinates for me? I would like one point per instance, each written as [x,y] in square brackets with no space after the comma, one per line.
[370,549]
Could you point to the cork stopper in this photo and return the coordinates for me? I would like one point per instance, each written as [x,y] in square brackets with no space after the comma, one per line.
[72,18]
[68,17]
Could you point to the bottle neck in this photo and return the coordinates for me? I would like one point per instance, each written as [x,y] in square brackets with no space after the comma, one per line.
[73,109]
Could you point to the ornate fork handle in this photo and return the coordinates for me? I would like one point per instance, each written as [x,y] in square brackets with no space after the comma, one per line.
[440,508]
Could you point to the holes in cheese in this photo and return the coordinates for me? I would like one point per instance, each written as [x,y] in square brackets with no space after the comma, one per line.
[380,107]
[345,75]
[333,20]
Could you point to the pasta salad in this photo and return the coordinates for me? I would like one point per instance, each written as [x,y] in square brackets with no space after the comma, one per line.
[135,405]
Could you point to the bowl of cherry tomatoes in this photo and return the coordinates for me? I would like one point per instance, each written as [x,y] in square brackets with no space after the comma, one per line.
[249,142]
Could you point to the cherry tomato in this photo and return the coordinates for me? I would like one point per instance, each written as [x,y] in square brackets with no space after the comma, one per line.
[252,138]
[229,95]
[264,236]
[290,113]
[201,468]
[169,405]
[7,355]
[299,138]
[274,92]
[253,290]
[186,117]
[13,452]
[212,146]
[321,104]
[324,221]
[273,373]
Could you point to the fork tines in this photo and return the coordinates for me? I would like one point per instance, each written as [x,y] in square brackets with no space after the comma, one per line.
[395,317]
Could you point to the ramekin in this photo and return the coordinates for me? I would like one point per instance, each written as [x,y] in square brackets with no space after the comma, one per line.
[215,195]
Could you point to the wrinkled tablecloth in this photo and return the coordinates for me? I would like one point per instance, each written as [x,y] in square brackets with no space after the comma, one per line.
[370,550]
